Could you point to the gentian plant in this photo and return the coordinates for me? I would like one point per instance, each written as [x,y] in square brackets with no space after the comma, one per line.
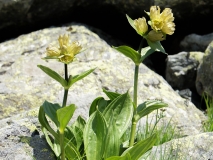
[100,137]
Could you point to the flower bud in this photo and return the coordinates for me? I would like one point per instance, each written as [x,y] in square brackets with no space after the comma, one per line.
[155,36]
[141,26]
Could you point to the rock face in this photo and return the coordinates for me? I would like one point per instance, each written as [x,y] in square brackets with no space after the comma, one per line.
[24,87]
[181,69]
[204,80]
[191,147]
[194,42]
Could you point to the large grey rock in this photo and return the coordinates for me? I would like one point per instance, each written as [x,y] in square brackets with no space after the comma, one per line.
[204,80]
[187,148]
[24,87]
[195,42]
[181,69]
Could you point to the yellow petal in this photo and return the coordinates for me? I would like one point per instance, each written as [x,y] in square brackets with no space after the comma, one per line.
[52,51]
[141,25]
[168,28]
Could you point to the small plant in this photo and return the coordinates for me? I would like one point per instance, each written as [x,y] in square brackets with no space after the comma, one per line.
[101,137]
[208,125]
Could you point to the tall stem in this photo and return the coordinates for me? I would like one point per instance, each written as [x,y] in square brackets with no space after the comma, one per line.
[135,95]
[62,146]
[65,90]
[63,105]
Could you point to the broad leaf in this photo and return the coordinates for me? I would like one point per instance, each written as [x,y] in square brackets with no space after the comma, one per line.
[53,145]
[64,115]
[99,103]
[122,110]
[44,123]
[156,46]
[130,53]
[50,110]
[141,147]
[145,52]
[54,75]
[147,107]
[71,151]
[111,95]
[112,141]
[76,78]
[125,157]
[94,136]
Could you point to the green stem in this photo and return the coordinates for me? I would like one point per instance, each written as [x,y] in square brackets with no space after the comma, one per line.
[134,123]
[62,146]
[65,90]
[135,92]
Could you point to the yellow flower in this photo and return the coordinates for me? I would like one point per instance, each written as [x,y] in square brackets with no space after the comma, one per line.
[66,52]
[141,26]
[162,21]
[52,51]
[155,36]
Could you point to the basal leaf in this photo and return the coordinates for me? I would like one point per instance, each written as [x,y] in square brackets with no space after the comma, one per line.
[111,95]
[141,147]
[147,107]
[125,157]
[54,75]
[99,103]
[94,136]
[122,110]
[112,140]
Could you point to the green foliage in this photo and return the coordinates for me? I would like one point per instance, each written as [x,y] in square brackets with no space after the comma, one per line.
[208,125]
[103,135]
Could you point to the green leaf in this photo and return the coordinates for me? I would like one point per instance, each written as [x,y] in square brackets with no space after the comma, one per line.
[75,133]
[55,146]
[156,46]
[99,103]
[94,136]
[111,95]
[130,53]
[112,141]
[141,147]
[54,75]
[147,107]
[125,157]
[76,78]
[145,52]
[80,123]
[44,123]
[131,22]
[64,115]
[50,110]
[122,110]
[71,151]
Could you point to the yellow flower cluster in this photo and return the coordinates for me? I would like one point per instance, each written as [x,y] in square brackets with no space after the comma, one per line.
[66,52]
[161,24]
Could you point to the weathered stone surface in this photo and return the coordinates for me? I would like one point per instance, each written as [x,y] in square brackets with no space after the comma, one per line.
[24,86]
[204,80]
[194,42]
[181,69]
[187,148]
